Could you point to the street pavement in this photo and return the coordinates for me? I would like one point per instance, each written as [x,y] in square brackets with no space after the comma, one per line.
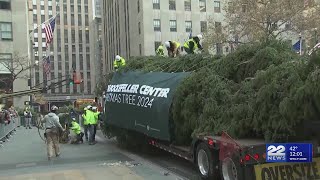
[24,157]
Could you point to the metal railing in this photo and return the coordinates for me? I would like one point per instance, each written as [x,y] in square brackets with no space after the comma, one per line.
[6,130]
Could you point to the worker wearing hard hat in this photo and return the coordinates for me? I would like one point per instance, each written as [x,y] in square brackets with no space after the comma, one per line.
[77,134]
[193,44]
[160,51]
[173,48]
[52,126]
[119,62]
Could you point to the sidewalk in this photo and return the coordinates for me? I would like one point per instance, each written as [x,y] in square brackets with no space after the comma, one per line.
[24,157]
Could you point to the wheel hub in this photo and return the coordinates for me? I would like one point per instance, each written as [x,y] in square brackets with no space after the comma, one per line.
[229,169]
[203,162]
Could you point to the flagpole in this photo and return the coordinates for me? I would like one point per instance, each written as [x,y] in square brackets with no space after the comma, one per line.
[300,45]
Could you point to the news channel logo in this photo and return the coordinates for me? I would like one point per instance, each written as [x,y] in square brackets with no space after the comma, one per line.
[289,152]
[276,153]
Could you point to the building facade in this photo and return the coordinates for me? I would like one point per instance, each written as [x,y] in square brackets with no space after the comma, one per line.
[13,47]
[72,47]
[138,27]
[95,26]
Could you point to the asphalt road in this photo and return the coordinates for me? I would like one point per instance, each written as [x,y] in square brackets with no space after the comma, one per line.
[24,157]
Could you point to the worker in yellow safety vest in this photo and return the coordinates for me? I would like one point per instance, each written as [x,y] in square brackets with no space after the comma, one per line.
[160,51]
[173,48]
[76,129]
[119,62]
[193,44]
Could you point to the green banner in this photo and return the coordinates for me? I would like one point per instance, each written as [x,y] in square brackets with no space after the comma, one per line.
[141,101]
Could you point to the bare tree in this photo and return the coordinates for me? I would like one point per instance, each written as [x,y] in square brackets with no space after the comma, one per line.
[14,69]
[262,20]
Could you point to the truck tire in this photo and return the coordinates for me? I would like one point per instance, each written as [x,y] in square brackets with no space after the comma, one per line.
[230,169]
[207,162]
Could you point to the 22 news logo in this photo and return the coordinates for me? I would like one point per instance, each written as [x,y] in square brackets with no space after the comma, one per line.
[276,153]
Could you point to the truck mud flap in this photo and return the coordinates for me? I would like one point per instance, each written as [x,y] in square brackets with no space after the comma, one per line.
[292,171]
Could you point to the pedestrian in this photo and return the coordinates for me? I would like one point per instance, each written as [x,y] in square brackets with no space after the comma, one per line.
[173,48]
[85,122]
[193,44]
[27,117]
[52,129]
[91,123]
[160,51]
[96,121]
[76,129]
[119,62]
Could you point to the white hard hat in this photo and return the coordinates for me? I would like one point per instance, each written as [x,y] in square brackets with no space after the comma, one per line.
[118,57]
[94,107]
[167,44]
[199,36]
[89,107]
[54,108]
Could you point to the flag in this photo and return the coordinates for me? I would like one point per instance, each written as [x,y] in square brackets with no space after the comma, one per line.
[48,30]
[46,65]
[297,46]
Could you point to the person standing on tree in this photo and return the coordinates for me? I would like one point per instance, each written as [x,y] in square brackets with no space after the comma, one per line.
[27,117]
[119,62]
[160,51]
[52,129]
[193,44]
[173,48]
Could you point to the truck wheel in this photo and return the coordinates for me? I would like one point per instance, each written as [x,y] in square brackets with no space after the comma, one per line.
[229,169]
[207,162]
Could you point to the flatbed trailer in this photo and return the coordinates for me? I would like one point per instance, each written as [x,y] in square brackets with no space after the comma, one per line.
[247,159]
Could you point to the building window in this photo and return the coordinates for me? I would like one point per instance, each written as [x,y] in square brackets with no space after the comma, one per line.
[187,5]
[173,26]
[5,62]
[188,26]
[138,6]
[86,20]
[156,4]
[244,8]
[156,45]
[202,5]
[139,27]
[218,26]
[5,5]
[219,48]
[140,49]
[217,7]
[172,4]
[156,25]
[203,26]
[5,30]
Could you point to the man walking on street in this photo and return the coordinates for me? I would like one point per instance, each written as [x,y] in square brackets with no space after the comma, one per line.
[91,122]
[52,127]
